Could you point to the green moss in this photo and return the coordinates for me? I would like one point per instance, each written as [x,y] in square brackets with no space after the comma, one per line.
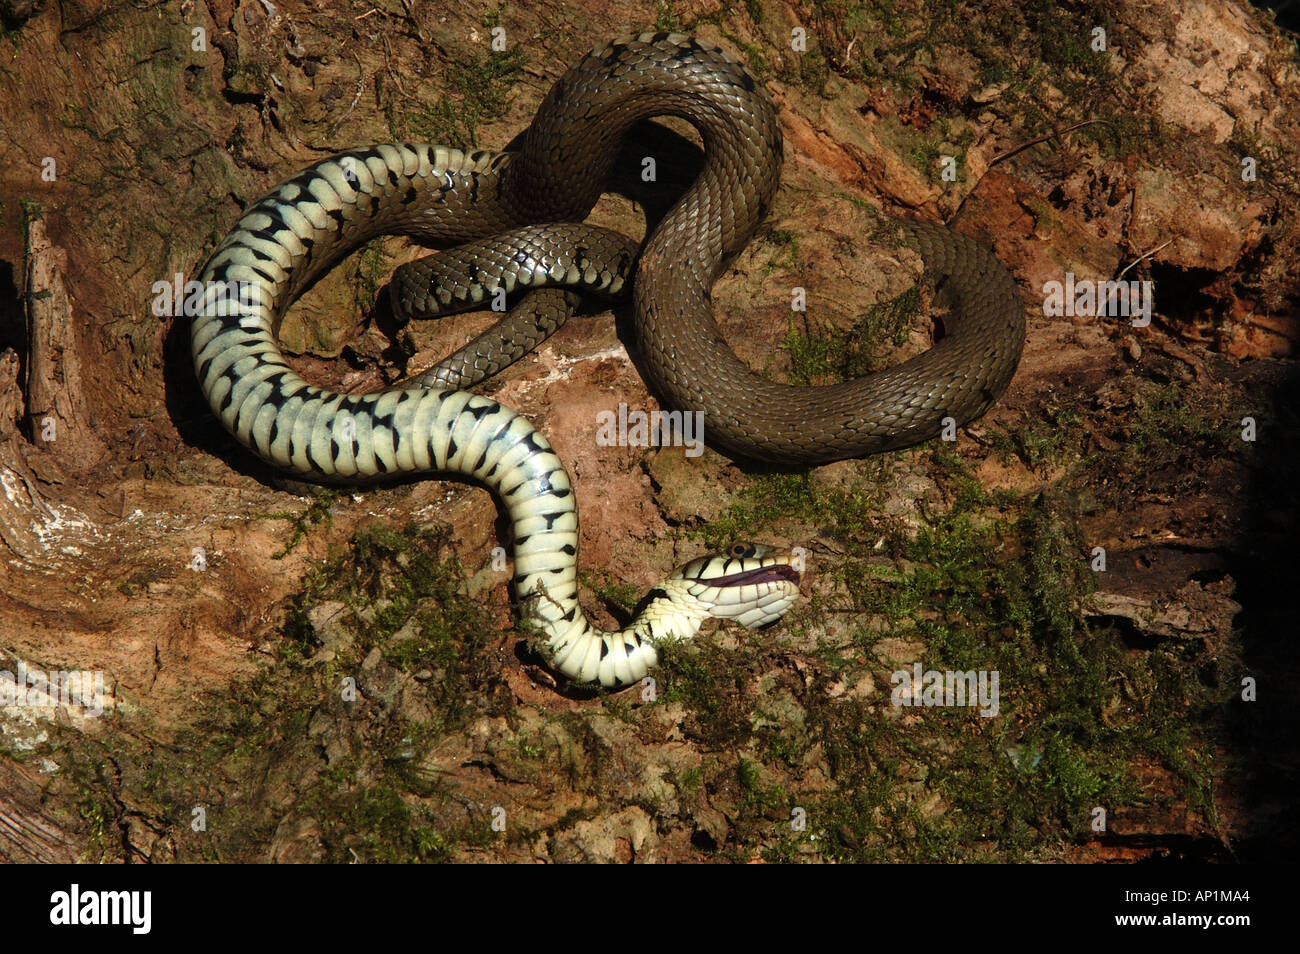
[757,797]
[478,90]
[1025,50]
[410,591]
[809,69]
[691,780]
[992,583]
[667,19]
[288,747]
[98,816]
[618,596]
[833,356]
[373,270]
[528,747]
[755,56]
[785,250]
[317,512]
[710,681]
[793,500]
[1048,440]
[1167,421]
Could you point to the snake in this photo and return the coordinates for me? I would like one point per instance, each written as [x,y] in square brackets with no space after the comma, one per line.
[438,194]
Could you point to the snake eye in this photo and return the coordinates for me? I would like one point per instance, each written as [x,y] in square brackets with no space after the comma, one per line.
[742,550]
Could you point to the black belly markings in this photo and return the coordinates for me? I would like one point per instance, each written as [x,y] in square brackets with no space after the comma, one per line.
[656,594]
[261,257]
[229,399]
[311,459]
[277,395]
[384,420]
[205,367]
[492,441]
[303,181]
[529,440]
[277,224]
[544,487]
[522,578]
[354,406]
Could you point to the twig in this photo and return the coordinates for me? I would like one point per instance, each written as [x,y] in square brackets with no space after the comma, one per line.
[1041,139]
[1140,257]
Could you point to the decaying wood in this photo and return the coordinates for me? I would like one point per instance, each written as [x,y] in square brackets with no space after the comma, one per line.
[58,416]
[28,832]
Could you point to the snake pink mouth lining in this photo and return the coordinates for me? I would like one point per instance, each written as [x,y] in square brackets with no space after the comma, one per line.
[765,574]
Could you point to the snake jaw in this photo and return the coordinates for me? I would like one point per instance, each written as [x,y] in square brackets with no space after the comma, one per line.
[752,584]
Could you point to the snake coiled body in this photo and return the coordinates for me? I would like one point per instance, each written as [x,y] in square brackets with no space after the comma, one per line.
[560,173]
[312,220]
[304,227]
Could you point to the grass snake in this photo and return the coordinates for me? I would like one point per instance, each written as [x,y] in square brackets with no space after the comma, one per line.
[312,220]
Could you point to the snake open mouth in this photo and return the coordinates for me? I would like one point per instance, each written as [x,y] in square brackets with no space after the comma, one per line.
[764,574]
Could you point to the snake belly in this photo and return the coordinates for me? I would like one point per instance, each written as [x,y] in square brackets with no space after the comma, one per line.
[299,231]
[563,164]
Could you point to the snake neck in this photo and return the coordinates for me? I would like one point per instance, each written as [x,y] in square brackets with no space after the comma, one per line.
[667,614]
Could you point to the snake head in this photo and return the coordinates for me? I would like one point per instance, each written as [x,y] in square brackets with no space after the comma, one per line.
[754,585]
